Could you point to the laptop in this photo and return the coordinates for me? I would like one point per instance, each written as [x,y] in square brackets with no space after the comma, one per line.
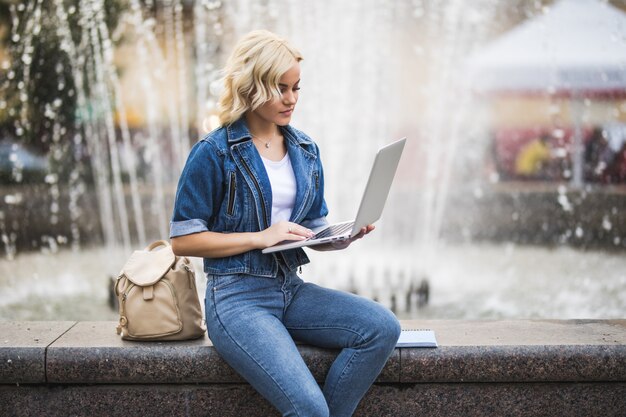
[370,209]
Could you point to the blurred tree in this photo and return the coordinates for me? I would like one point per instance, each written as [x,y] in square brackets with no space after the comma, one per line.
[38,97]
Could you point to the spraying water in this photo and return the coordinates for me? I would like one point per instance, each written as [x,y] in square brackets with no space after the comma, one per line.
[143,78]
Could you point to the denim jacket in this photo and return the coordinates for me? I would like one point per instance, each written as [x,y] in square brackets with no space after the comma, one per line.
[224,188]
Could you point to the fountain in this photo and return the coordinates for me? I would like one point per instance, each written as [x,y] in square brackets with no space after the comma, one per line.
[127,88]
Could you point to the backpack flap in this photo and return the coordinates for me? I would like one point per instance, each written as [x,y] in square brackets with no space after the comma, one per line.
[145,268]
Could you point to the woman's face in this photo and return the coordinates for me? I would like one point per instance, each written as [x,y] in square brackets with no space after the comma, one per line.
[279,111]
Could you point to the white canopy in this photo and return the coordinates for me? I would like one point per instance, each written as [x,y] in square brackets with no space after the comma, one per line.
[577,47]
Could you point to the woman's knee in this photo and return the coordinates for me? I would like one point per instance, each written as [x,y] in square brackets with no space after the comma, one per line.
[386,327]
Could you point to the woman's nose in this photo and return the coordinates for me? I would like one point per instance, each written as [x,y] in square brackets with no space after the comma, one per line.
[289,97]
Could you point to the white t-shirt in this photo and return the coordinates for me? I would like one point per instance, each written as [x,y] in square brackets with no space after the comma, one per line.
[283,183]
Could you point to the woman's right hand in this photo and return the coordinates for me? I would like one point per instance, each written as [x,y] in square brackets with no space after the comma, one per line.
[282,231]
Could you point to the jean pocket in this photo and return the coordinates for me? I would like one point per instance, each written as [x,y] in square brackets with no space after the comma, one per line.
[219,282]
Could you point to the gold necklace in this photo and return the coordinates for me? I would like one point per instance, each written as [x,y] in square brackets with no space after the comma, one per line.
[267,143]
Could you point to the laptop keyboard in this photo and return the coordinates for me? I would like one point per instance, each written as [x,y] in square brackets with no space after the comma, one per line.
[334,230]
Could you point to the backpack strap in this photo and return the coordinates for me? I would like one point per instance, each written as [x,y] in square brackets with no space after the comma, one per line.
[156,244]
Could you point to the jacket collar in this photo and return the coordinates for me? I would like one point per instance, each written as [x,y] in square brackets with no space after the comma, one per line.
[238,131]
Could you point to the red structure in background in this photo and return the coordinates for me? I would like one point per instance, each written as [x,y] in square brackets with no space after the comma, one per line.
[567,51]
[509,142]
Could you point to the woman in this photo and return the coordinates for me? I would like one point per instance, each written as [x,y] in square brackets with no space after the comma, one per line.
[250,184]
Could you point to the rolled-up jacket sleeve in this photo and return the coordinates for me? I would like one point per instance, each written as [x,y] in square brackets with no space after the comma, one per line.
[315,224]
[199,191]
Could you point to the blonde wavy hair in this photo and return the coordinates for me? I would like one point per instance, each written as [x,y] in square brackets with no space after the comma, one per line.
[252,73]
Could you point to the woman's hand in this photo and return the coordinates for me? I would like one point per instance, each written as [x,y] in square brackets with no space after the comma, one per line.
[344,243]
[282,231]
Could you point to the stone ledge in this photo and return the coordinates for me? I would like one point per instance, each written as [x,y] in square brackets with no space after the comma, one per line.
[382,400]
[469,351]
[91,353]
[23,349]
[482,368]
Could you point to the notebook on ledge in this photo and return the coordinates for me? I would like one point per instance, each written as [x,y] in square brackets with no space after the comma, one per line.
[417,338]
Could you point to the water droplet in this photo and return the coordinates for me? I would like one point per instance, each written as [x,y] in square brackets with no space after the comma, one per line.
[558,133]
[13,198]
[51,178]
[27,59]
[579,232]
[564,202]
[49,112]
[606,223]
[212,5]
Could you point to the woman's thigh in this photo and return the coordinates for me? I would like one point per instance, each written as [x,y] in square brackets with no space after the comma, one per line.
[244,323]
[337,319]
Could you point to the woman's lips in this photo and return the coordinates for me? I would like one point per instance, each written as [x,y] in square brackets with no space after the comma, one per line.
[287,112]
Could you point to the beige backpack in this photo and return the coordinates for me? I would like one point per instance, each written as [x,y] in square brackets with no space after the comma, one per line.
[157,296]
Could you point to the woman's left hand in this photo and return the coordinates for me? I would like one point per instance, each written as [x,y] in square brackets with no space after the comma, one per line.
[345,243]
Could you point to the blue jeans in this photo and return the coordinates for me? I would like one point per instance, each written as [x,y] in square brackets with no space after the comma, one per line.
[253,321]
